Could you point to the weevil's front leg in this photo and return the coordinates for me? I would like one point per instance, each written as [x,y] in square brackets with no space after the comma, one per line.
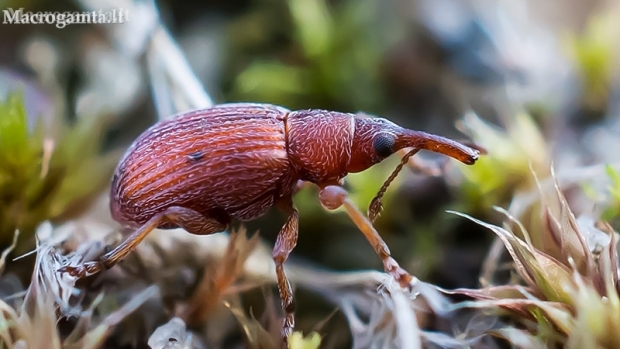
[286,241]
[187,219]
[332,197]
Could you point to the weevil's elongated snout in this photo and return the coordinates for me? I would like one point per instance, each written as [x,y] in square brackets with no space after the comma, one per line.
[376,139]
[422,140]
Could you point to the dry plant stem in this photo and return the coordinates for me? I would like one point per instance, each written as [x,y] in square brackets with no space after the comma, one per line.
[491,262]
[187,219]
[333,197]
[217,282]
[182,79]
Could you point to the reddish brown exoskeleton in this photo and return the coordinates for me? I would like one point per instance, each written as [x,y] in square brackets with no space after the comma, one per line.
[204,168]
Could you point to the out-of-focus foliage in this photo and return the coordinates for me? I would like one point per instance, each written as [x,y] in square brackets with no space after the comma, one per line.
[613,209]
[298,341]
[45,176]
[596,53]
[505,170]
[610,201]
[331,59]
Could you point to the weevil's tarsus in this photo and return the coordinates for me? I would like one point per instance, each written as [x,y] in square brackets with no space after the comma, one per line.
[333,197]
[375,205]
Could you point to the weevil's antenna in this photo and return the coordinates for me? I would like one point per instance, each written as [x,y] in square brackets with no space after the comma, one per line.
[375,205]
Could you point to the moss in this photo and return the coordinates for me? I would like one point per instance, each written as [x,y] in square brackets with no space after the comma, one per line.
[46,175]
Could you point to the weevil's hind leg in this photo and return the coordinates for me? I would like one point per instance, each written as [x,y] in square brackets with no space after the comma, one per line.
[332,197]
[187,219]
[286,241]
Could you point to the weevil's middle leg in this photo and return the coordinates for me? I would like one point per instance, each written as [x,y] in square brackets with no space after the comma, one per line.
[332,197]
[185,218]
[285,242]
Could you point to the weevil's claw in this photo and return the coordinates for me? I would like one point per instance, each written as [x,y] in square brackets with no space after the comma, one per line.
[86,269]
[401,275]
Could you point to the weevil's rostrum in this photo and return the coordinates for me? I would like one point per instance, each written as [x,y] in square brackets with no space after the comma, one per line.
[202,169]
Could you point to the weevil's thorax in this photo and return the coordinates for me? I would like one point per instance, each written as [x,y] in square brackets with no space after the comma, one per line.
[319,144]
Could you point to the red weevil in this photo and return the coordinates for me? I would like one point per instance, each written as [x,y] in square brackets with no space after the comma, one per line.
[204,168]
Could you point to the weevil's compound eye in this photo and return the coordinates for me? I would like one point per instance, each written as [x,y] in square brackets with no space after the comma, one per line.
[383,144]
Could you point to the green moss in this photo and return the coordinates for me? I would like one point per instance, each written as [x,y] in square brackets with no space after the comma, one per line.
[297,341]
[330,57]
[45,176]
[593,52]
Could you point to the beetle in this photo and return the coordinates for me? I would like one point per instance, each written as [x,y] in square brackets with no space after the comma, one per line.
[202,169]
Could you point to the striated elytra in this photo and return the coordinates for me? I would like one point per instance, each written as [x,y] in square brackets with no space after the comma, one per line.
[205,168]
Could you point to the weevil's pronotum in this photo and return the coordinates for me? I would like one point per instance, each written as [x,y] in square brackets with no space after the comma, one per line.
[204,168]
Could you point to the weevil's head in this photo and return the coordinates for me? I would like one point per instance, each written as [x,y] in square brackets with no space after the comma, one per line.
[375,139]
